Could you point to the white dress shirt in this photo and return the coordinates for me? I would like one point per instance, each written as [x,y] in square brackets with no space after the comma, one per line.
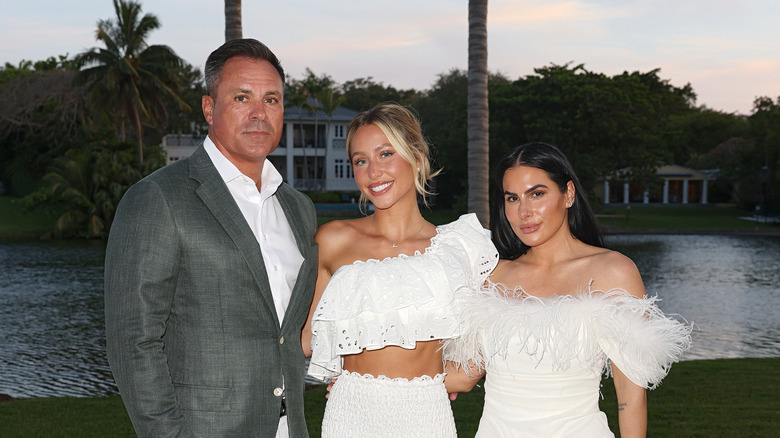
[266,218]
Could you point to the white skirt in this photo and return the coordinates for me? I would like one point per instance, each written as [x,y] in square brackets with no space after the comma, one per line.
[365,406]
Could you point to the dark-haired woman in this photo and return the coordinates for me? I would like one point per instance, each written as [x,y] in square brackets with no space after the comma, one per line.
[558,311]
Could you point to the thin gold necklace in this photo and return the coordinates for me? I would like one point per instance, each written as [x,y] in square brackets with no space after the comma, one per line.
[395,245]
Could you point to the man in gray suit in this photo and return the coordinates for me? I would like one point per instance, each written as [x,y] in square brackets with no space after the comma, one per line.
[210,270]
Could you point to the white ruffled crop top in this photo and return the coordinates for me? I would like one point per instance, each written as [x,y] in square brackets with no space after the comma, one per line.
[399,300]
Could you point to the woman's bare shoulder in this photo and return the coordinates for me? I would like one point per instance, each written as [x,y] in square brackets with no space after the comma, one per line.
[613,270]
[339,232]
[337,243]
[508,272]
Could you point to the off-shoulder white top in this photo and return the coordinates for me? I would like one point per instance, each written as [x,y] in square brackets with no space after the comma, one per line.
[368,305]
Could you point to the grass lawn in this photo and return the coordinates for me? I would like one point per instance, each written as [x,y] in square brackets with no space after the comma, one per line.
[684,218]
[651,219]
[17,224]
[700,398]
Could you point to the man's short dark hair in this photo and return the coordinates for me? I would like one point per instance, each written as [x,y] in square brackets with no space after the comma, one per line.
[248,48]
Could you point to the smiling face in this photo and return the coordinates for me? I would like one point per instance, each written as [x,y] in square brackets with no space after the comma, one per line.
[535,207]
[381,173]
[245,113]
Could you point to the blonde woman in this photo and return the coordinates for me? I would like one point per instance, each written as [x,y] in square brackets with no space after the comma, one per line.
[385,287]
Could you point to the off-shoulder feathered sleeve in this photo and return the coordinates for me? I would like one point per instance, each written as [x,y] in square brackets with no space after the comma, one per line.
[398,301]
[638,338]
[588,327]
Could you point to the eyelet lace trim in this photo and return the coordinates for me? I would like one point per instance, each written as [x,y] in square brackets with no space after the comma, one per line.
[424,379]
[400,300]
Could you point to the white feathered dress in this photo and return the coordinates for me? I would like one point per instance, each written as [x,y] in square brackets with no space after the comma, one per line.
[544,357]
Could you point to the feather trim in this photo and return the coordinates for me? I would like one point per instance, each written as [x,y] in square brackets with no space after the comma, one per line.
[588,327]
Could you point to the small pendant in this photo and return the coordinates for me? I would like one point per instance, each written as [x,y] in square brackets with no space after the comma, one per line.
[395,245]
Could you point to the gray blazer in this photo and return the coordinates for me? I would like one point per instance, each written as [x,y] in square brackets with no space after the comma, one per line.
[192,335]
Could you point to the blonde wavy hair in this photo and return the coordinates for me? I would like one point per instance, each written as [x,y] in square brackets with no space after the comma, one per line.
[403,130]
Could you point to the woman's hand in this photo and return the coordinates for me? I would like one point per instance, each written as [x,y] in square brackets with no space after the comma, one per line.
[458,380]
[330,386]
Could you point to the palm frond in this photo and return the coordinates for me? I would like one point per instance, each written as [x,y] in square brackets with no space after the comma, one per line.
[129,79]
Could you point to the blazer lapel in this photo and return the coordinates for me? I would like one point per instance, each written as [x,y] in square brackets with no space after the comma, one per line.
[293,218]
[305,246]
[217,198]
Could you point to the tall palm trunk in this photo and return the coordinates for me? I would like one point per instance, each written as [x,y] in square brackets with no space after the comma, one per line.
[305,177]
[233,20]
[140,131]
[478,114]
[316,147]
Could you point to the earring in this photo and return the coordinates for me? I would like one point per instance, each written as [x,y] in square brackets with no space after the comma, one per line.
[569,205]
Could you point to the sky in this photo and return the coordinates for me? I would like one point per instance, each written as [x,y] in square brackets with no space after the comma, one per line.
[728,50]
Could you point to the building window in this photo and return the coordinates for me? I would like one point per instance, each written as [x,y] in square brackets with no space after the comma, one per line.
[338,131]
[304,134]
[342,169]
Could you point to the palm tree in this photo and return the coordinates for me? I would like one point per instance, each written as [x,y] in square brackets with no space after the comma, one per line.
[128,78]
[70,181]
[232,20]
[297,96]
[313,86]
[478,114]
[328,103]
[89,182]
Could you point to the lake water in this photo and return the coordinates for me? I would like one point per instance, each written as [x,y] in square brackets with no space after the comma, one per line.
[52,335]
[729,286]
[52,340]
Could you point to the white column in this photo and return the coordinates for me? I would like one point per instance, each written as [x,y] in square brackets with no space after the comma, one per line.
[327,166]
[704,191]
[290,156]
[646,197]
[685,191]
[666,191]
[606,191]
[625,193]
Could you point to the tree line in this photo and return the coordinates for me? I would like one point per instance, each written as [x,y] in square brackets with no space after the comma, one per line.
[76,132]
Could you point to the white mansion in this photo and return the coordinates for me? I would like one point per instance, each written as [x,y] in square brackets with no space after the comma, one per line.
[312,152]
[680,185]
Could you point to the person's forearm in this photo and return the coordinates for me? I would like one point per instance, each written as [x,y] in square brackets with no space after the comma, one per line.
[148,396]
[458,380]
[139,290]
[632,416]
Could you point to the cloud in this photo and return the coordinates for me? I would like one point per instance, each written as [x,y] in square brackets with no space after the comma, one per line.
[725,49]
[734,87]
[546,13]
[36,40]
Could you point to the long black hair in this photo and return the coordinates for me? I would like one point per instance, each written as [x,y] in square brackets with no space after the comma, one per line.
[582,222]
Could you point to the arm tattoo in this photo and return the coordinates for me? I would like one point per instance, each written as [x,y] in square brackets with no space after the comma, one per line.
[622,406]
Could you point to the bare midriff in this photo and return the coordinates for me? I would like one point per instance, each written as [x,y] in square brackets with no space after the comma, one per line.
[394,362]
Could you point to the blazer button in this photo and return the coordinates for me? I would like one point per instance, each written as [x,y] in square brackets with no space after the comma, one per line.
[278,392]
[281,340]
